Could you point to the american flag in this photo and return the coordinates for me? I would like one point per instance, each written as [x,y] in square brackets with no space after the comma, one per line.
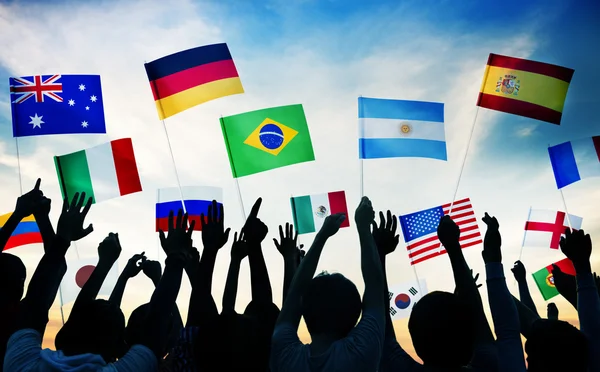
[420,230]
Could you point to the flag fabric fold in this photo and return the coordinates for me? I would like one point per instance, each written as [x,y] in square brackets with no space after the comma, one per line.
[545,281]
[191,77]
[103,172]
[526,88]
[195,198]
[404,296]
[575,160]
[26,232]
[262,140]
[420,229]
[77,274]
[395,128]
[545,227]
[309,211]
[56,104]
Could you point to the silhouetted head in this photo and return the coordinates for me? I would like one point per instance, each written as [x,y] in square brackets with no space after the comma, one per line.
[554,345]
[331,305]
[98,327]
[442,330]
[135,332]
[12,277]
[229,343]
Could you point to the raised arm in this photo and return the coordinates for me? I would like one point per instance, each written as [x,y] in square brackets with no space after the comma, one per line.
[520,274]
[48,275]
[239,251]
[577,246]
[109,251]
[291,312]
[370,263]
[566,285]
[178,246]
[214,236]
[466,288]
[133,267]
[288,247]
[256,231]
[504,311]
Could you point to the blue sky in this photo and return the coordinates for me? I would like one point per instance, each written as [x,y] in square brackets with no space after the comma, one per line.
[323,54]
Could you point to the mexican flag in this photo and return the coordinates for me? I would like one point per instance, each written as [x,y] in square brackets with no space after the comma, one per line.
[545,281]
[103,172]
[309,211]
[262,140]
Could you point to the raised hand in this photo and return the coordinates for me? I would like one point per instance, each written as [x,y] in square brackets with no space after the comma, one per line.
[109,249]
[214,235]
[492,241]
[519,271]
[385,234]
[364,215]
[178,242]
[29,202]
[552,311]
[577,246]
[152,270]
[239,249]
[332,224]
[448,233]
[255,230]
[134,265]
[70,222]
[287,244]
[565,284]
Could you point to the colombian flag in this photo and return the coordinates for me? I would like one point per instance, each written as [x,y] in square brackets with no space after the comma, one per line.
[527,88]
[183,80]
[26,232]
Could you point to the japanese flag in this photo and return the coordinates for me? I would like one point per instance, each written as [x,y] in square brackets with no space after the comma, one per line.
[404,296]
[78,272]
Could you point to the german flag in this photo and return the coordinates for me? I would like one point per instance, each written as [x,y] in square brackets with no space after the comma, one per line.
[185,79]
[527,88]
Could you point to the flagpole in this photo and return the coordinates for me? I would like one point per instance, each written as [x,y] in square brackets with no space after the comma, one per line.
[239,192]
[566,210]
[19,165]
[524,235]
[62,315]
[462,167]
[174,165]
[157,239]
[361,161]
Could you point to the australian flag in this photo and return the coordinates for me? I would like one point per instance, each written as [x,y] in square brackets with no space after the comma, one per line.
[56,104]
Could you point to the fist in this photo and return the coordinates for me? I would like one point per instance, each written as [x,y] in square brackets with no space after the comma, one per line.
[364,215]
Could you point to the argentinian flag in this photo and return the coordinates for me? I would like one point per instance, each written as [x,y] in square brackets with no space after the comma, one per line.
[394,128]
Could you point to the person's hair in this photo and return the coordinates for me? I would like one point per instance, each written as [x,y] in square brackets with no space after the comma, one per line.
[12,277]
[98,327]
[442,330]
[228,342]
[137,325]
[555,345]
[331,305]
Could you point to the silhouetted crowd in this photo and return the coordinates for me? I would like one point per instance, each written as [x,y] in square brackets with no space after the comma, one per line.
[449,331]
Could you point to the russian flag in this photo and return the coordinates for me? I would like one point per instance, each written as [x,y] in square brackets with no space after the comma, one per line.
[196,199]
[575,160]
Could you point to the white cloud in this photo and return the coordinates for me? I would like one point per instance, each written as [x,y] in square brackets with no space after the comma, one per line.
[416,61]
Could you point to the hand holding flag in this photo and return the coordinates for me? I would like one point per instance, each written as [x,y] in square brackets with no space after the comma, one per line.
[577,246]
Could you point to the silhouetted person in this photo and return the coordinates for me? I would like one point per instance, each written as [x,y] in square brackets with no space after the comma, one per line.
[12,279]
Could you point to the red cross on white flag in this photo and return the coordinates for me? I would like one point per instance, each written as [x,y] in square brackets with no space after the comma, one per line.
[545,227]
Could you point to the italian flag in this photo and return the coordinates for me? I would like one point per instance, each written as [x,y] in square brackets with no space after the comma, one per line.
[103,172]
[545,281]
[309,211]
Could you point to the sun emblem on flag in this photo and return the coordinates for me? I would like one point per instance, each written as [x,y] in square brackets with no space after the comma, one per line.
[321,211]
[550,280]
[508,84]
[405,128]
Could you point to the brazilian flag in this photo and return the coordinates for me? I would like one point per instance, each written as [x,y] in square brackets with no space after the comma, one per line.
[262,140]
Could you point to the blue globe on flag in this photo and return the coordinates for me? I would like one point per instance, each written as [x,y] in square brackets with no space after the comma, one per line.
[271,136]
[402,301]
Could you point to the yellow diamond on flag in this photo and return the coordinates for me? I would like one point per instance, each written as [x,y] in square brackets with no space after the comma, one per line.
[271,137]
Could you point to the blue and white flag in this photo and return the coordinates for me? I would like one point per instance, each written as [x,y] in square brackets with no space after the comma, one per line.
[56,104]
[394,128]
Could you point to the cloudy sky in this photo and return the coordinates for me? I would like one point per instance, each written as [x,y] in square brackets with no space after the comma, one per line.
[322,54]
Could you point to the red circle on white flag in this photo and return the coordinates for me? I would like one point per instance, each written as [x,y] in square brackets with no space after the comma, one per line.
[83,274]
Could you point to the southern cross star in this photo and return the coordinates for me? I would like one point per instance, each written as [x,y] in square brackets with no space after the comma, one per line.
[93,98]
[36,121]
[81,87]
[84,124]
[71,102]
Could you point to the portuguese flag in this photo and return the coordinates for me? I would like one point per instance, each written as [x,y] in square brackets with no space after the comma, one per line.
[545,281]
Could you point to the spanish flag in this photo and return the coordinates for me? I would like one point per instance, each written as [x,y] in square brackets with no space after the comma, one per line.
[532,89]
[185,79]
